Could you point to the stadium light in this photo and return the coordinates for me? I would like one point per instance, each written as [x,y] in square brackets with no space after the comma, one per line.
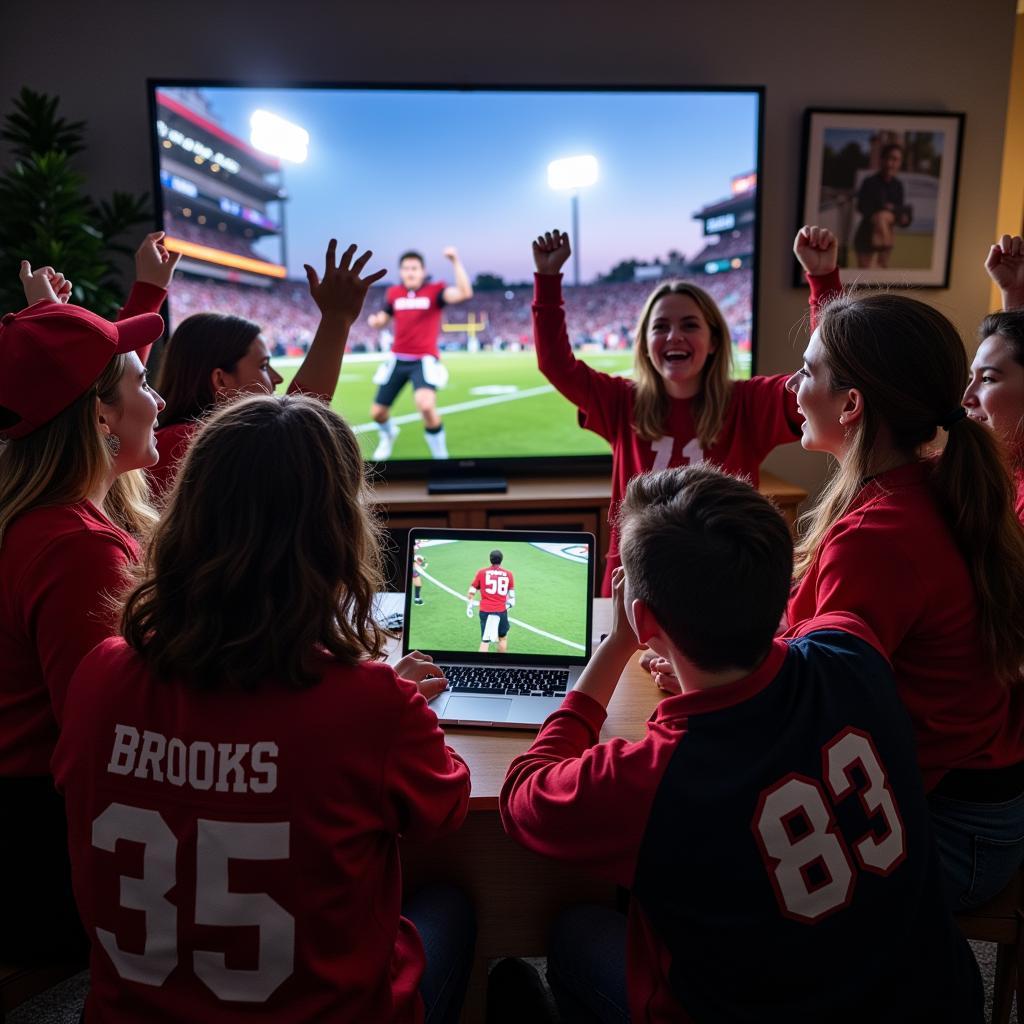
[573,172]
[278,137]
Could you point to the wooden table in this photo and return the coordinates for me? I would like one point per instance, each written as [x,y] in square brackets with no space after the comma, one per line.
[517,893]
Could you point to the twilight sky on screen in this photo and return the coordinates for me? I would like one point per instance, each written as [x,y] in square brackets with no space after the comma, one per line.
[396,170]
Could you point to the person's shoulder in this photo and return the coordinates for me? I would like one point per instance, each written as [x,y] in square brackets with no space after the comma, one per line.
[110,658]
[837,633]
[66,527]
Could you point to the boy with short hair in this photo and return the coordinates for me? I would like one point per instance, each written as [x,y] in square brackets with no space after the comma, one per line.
[771,825]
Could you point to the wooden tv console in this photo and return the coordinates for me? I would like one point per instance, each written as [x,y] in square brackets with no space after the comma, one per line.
[530,503]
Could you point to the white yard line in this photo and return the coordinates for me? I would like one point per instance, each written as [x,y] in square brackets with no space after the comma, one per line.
[518,622]
[476,403]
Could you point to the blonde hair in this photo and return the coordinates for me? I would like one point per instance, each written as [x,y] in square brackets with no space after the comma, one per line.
[61,462]
[910,364]
[651,401]
[268,554]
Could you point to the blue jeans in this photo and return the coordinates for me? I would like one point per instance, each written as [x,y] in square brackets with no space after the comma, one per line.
[587,965]
[981,846]
[446,922]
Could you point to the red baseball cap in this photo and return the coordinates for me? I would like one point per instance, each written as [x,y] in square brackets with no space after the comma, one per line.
[52,353]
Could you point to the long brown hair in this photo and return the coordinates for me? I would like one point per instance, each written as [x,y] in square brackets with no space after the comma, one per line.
[64,460]
[909,363]
[651,401]
[267,555]
[202,343]
[1009,325]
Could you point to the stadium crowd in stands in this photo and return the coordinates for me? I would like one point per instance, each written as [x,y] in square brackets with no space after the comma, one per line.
[602,313]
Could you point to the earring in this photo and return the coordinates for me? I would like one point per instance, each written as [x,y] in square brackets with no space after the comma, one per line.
[113,445]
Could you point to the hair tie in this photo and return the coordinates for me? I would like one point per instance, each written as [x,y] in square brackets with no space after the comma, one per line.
[953,418]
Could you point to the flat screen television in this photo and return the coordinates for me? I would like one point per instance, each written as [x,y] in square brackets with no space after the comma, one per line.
[251,180]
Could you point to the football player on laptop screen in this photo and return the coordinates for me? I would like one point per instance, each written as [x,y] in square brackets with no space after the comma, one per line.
[771,826]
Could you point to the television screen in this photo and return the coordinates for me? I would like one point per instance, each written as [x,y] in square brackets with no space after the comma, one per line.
[652,184]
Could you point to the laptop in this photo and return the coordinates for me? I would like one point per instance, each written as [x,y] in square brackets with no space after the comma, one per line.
[506,614]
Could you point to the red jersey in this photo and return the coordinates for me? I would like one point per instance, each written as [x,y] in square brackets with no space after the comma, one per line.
[494,583]
[235,854]
[57,567]
[892,561]
[772,823]
[172,443]
[761,414]
[417,318]
[1018,478]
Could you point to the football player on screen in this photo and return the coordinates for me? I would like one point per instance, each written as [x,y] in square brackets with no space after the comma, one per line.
[496,588]
[418,563]
[415,306]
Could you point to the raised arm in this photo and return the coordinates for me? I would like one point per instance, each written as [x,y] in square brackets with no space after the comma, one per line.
[154,271]
[816,249]
[339,294]
[1005,265]
[462,289]
[578,382]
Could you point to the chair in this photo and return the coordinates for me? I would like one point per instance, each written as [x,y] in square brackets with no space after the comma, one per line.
[18,984]
[1001,921]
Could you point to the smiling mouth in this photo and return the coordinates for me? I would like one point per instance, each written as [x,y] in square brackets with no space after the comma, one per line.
[677,357]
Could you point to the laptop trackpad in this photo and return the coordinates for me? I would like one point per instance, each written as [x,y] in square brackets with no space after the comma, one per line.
[479,709]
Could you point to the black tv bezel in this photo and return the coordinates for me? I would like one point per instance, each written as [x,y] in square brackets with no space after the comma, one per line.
[520,466]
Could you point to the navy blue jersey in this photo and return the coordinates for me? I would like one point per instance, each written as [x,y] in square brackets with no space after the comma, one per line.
[810,885]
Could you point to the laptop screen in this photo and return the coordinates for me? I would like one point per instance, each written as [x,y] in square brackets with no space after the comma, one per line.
[482,595]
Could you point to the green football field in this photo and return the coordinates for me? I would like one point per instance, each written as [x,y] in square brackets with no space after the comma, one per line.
[550,612]
[496,405]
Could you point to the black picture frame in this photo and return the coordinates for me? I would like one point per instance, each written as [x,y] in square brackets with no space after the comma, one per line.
[908,240]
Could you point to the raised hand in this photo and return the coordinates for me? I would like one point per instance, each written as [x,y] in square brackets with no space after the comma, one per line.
[450,253]
[38,284]
[341,291]
[1005,265]
[550,251]
[154,263]
[817,249]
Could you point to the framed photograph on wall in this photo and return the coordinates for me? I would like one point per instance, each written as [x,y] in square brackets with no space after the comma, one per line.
[885,182]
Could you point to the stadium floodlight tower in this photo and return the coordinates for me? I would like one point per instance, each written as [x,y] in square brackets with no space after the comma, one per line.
[270,133]
[575,173]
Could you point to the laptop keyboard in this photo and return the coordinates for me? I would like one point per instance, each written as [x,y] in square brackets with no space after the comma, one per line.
[512,682]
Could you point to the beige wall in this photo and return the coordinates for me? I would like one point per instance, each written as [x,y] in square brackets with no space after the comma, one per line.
[884,54]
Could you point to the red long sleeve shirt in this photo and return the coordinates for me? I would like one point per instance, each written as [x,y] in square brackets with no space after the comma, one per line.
[761,414]
[57,567]
[264,825]
[892,561]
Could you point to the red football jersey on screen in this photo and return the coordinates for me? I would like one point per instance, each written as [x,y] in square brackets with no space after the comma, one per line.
[494,583]
[417,318]
[235,854]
